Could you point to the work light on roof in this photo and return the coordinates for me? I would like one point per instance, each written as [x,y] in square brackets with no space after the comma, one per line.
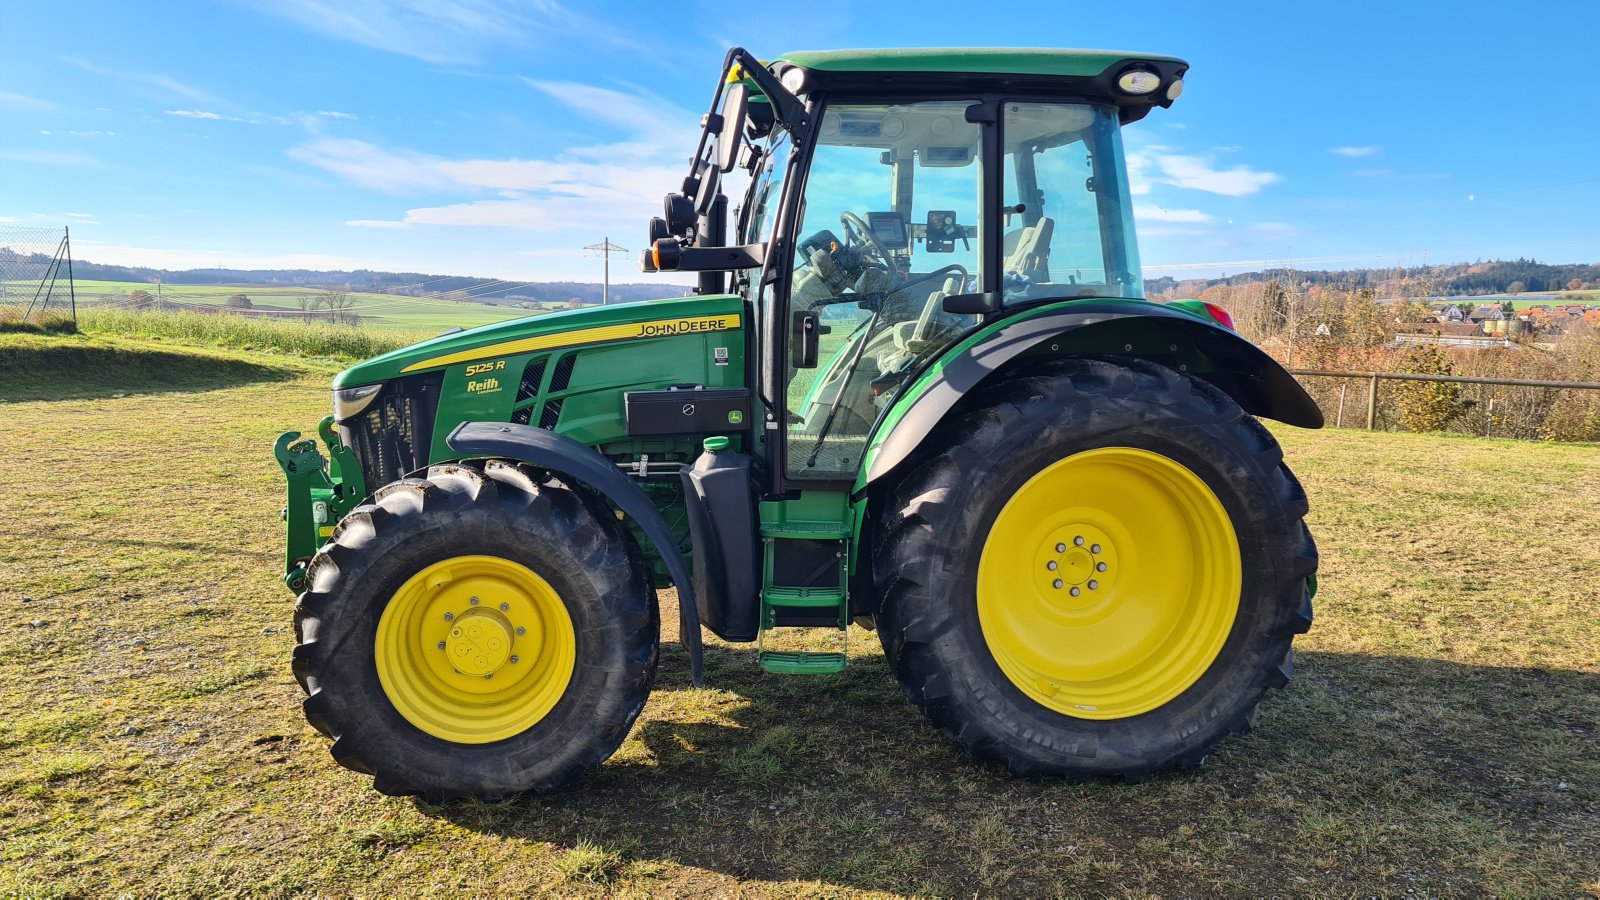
[1175,89]
[794,80]
[1138,81]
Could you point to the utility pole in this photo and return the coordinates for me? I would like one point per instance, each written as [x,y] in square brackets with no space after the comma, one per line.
[606,248]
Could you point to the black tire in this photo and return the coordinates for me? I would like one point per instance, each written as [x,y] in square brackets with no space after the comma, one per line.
[925,565]
[497,509]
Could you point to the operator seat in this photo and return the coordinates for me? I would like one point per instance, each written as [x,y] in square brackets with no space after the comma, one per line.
[1027,250]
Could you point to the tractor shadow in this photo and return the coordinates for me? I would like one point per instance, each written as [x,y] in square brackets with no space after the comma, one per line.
[837,779]
[74,371]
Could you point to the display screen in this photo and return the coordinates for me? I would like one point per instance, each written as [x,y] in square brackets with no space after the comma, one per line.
[889,229]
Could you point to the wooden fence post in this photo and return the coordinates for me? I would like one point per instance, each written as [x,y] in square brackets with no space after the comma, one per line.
[1372,403]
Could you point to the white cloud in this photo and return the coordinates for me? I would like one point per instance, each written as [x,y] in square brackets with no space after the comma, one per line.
[377,223]
[1151,213]
[440,31]
[50,157]
[166,258]
[1354,151]
[1372,173]
[1197,173]
[604,185]
[200,114]
[163,84]
[335,114]
[371,166]
[92,133]
[12,100]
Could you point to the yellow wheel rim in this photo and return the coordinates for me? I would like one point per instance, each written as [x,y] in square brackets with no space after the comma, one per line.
[475,649]
[1109,583]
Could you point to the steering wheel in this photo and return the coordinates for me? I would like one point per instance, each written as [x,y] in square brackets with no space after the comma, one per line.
[857,233]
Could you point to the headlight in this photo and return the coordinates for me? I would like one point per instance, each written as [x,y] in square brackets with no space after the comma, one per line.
[1175,89]
[1138,81]
[351,401]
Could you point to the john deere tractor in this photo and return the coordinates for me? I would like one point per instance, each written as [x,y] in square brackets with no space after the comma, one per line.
[918,390]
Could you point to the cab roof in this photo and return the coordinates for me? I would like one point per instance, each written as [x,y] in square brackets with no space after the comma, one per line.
[973,60]
[1080,74]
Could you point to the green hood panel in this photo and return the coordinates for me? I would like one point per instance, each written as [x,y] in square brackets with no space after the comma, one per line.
[592,325]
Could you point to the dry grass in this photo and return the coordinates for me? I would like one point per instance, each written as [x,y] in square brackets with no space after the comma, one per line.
[1440,735]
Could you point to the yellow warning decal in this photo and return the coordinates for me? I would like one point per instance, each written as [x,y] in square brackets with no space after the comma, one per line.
[625,332]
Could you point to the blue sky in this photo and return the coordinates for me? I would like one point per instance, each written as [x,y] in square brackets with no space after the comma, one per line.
[496,137]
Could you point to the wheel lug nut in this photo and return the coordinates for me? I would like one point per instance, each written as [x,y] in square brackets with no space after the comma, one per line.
[1051,565]
[1061,548]
[505,607]
[1094,585]
[441,645]
[1095,548]
[448,616]
[514,659]
[1099,567]
[1058,583]
[1075,592]
[521,630]
[487,677]
[1078,541]
[474,601]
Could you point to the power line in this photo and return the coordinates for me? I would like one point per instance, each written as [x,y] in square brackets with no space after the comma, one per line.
[606,248]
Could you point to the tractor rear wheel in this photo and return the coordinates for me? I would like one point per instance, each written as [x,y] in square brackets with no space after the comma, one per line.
[1098,568]
[482,631]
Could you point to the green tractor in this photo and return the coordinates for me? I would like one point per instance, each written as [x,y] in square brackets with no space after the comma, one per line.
[917,390]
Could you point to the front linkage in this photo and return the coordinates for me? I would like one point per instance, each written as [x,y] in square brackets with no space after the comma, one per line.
[321,490]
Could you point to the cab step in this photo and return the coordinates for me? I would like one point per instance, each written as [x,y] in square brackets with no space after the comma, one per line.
[791,662]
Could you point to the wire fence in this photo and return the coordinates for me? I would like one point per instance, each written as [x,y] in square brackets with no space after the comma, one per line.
[1492,407]
[36,274]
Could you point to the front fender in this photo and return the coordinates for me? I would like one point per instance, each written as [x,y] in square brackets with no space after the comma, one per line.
[1134,328]
[568,458]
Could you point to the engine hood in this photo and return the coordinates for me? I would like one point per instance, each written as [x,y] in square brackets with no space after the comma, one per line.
[592,325]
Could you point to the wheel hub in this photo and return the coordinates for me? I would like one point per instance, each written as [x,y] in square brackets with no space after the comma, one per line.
[479,643]
[1075,566]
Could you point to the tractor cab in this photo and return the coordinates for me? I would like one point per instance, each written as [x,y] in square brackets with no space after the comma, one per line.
[896,201]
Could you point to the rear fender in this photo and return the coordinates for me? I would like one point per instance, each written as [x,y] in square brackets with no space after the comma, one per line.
[579,462]
[1131,328]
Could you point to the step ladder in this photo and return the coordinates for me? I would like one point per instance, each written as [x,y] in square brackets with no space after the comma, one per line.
[806,570]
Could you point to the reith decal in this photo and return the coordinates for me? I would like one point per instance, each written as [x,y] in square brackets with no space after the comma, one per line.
[486,386]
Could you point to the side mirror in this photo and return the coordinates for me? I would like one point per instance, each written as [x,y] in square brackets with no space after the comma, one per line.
[735,100]
[971,304]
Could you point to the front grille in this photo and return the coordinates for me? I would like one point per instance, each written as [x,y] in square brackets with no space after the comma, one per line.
[393,436]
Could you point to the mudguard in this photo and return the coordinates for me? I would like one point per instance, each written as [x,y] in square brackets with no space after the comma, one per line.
[571,459]
[1137,328]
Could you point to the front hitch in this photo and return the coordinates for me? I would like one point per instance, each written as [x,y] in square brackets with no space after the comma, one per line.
[320,491]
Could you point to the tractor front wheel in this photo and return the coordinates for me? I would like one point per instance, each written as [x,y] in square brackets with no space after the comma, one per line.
[481,631]
[1097,569]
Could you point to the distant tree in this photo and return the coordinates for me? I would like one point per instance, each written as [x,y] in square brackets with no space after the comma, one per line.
[1508,308]
[339,302]
[1516,287]
[1272,315]
[1427,405]
[239,301]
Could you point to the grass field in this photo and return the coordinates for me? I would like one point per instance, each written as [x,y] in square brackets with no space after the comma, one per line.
[1440,735]
[375,310]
